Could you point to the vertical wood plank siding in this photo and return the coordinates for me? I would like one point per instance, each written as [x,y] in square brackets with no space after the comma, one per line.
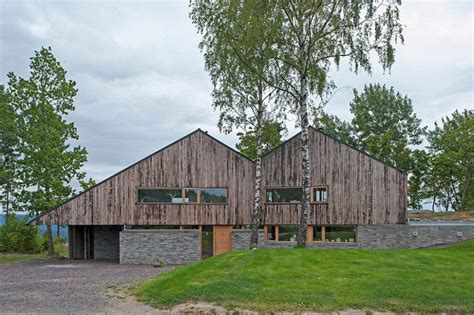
[195,161]
[361,190]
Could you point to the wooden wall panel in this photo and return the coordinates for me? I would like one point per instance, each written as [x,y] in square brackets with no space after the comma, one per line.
[196,160]
[361,189]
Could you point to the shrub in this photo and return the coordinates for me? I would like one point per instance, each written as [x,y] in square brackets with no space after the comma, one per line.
[17,236]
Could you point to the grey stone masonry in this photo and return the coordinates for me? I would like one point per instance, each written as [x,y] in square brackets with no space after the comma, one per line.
[411,236]
[106,241]
[241,239]
[172,246]
[376,236]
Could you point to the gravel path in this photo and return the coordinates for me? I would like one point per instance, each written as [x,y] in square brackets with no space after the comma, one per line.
[66,287]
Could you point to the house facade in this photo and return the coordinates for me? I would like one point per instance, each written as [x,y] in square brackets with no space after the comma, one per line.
[193,199]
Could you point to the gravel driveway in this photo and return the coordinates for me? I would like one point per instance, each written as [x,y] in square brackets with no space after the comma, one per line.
[65,286]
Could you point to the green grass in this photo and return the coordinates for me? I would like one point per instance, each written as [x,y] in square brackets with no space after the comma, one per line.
[16,258]
[423,280]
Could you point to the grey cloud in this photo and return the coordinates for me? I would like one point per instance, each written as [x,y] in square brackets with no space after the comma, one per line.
[141,80]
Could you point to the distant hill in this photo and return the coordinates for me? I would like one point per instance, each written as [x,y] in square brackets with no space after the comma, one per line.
[42,228]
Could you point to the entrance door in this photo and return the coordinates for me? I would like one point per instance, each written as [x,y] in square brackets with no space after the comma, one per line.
[222,239]
[206,241]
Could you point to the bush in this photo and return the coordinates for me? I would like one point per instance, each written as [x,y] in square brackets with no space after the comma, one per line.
[17,236]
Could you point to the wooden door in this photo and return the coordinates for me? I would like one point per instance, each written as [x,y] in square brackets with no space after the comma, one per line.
[222,239]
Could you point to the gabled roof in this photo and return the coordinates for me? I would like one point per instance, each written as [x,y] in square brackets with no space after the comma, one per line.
[138,162]
[220,142]
[320,130]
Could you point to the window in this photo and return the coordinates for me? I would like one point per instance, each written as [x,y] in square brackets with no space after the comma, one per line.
[213,195]
[284,195]
[287,232]
[318,233]
[175,195]
[159,195]
[191,195]
[319,194]
[340,233]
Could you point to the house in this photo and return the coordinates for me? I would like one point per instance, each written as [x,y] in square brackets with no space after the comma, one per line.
[193,199]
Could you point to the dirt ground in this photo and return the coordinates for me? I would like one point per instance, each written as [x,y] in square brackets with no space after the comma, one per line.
[91,287]
[68,287]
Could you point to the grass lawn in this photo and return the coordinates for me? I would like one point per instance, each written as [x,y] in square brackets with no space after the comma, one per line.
[423,280]
[15,258]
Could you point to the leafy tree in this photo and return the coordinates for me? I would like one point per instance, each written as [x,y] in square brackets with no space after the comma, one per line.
[312,38]
[385,125]
[9,155]
[418,188]
[451,145]
[49,159]
[86,184]
[238,56]
[339,129]
[271,138]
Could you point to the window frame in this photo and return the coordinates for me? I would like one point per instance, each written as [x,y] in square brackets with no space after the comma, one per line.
[311,195]
[183,196]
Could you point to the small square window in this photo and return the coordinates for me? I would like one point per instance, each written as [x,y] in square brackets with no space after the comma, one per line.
[319,194]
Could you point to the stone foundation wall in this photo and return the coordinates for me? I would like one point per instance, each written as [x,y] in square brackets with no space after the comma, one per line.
[172,246]
[411,236]
[376,236]
[106,241]
[241,239]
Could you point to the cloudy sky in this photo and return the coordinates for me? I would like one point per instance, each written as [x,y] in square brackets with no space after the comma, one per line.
[141,80]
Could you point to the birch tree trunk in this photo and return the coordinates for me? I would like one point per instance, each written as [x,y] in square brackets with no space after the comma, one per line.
[256,214]
[304,121]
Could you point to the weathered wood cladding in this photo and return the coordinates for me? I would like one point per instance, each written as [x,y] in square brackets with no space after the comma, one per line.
[196,160]
[361,189]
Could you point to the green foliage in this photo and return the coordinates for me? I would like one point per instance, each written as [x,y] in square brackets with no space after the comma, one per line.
[86,184]
[17,236]
[451,146]
[9,155]
[385,126]
[238,55]
[49,160]
[339,129]
[271,138]
[273,280]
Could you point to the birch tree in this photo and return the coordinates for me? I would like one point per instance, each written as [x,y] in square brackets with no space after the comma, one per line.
[238,54]
[49,161]
[312,39]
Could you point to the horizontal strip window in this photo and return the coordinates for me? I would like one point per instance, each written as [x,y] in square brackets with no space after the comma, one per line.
[324,233]
[295,194]
[334,233]
[182,195]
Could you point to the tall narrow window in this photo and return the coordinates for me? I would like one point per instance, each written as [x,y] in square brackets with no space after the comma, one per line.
[284,195]
[319,194]
[191,195]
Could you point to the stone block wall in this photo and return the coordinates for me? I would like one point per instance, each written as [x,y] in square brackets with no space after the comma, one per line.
[376,236]
[411,236]
[173,246]
[241,239]
[106,241]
